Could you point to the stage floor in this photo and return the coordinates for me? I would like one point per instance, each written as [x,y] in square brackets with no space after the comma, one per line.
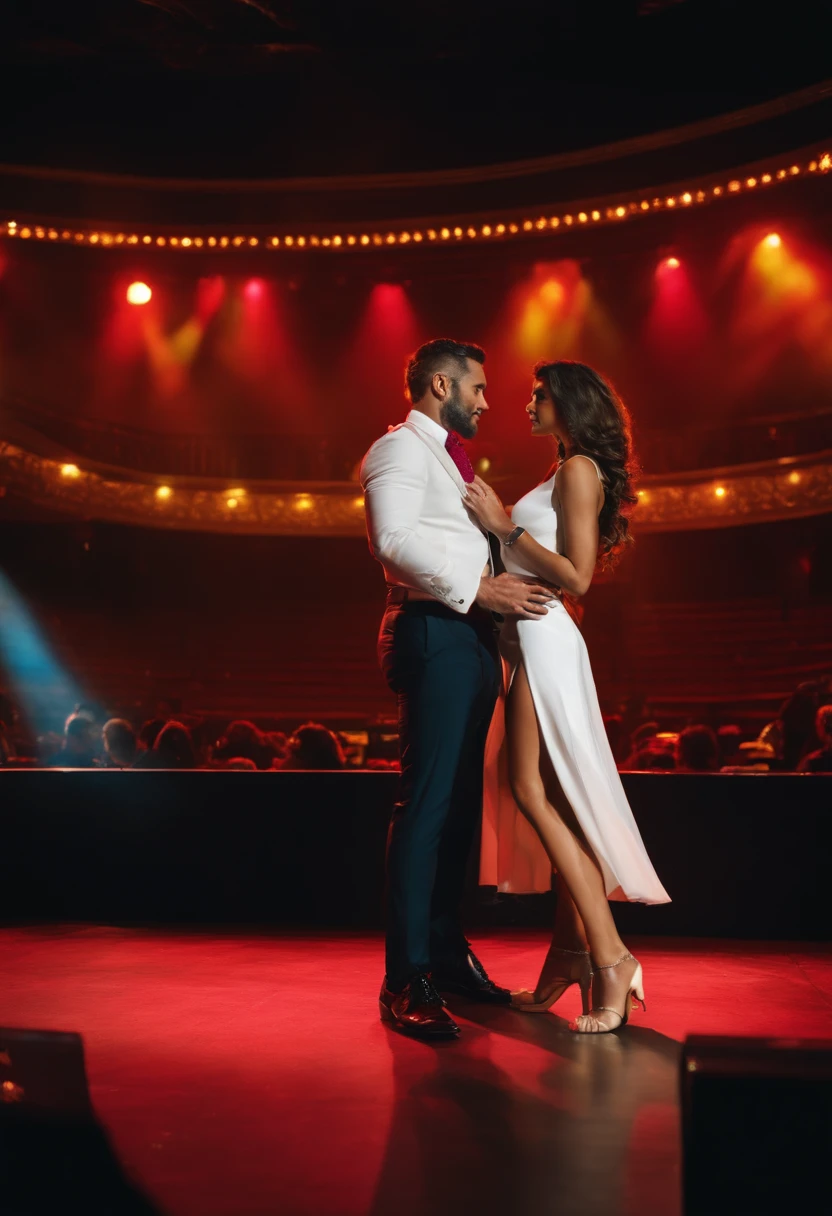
[248,1075]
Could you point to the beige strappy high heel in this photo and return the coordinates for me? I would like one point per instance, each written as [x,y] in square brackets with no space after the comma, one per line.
[591,1023]
[578,968]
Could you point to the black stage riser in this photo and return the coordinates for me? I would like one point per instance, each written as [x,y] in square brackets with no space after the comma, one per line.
[742,856]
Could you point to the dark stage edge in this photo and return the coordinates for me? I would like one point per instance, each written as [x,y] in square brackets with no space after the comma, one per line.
[741,856]
[248,1075]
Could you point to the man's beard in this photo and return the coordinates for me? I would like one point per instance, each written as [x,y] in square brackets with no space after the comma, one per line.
[455,417]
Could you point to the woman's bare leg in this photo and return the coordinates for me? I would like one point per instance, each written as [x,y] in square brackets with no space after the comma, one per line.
[568,935]
[536,793]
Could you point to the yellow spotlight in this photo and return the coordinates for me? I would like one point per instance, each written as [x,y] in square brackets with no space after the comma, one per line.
[720,491]
[672,263]
[643,495]
[231,502]
[237,493]
[303,502]
[70,470]
[163,492]
[483,465]
[138,293]
[774,240]
[794,478]
[358,502]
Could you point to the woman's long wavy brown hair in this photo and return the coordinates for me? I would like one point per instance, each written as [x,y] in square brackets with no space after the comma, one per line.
[598,424]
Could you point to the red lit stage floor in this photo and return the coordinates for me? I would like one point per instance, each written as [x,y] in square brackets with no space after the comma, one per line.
[244,1075]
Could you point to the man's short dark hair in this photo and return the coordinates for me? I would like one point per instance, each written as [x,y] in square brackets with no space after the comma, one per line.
[434,357]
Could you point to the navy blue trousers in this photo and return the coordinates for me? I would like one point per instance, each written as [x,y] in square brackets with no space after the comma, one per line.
[445,671]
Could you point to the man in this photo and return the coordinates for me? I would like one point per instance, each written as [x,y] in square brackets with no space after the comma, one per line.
[438,651]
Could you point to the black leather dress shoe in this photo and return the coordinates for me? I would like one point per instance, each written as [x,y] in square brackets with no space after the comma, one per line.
[467,977]
[418,1010]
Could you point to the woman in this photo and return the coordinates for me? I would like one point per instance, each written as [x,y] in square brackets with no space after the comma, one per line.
[556,756]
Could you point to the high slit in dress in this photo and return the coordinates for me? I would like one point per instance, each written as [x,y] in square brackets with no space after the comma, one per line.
[555,658]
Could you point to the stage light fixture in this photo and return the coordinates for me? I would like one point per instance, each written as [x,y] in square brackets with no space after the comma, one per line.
[138,293]
[70,470]
[720,491]
[163,492]
[774,240]
[253,289]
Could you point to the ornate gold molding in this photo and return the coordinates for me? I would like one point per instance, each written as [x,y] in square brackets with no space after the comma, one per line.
[717,498]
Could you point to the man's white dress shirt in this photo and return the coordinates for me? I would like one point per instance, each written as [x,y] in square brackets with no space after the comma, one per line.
[418,523]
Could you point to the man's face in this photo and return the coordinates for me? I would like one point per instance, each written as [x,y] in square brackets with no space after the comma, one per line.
[465,401]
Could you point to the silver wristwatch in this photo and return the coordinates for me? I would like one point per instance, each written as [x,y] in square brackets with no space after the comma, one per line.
[514,535]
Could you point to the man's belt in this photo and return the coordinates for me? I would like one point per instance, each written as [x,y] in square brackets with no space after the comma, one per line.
[404,595]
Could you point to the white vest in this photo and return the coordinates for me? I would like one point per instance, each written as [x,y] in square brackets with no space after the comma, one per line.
[418,523]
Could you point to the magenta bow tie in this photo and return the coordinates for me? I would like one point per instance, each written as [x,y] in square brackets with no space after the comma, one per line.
[457,453]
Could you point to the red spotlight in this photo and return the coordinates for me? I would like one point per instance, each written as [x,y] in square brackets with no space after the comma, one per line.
[254,289]
[138,293]
[671,263]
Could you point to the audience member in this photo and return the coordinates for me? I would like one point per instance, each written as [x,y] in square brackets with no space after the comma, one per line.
[78,748]
[651,757]
[242,763]
[314,746]
[641,739]
[245,739]
[173,749]
[729,738]
[279,744]
[792,733]
[150,732]
[821,760]
[753,757]
[120,743]
[697,750]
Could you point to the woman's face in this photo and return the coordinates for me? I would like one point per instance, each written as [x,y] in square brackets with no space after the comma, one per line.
[543,412]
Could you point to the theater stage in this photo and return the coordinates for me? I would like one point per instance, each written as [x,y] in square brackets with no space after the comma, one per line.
[248,1075]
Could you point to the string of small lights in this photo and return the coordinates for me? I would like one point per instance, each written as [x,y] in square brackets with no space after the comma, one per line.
[452,232]
[789,487]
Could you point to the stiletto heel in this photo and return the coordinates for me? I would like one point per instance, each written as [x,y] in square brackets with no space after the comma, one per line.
[578,967]
[592,1023]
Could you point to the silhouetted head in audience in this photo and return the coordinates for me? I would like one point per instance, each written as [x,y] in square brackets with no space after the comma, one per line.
[174,747]
[660,759]
[149,732]
[823,725]
[730,738]
[278,743]
[314,746]
[80,742]
[797,722]
[243,738]
[242,763]
[697,750]
[120,742]
[643,734]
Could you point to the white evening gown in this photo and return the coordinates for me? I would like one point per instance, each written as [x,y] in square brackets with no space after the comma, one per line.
[555,657]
